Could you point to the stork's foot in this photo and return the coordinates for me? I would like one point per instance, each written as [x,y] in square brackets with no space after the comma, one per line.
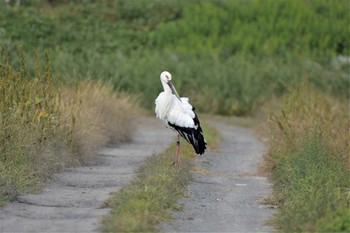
[176,163]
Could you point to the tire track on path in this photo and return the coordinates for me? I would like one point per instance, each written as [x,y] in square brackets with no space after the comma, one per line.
[73,201]
[226,192]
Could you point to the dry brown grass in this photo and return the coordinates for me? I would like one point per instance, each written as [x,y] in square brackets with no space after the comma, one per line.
[308,111]
[308,160]
[47,126]
[96,115]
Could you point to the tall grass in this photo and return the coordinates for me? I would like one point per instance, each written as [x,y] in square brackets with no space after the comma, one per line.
[236,85]
[227,56]
[29,120]
[305,109]
[309,161]
[46,125]
[99,116]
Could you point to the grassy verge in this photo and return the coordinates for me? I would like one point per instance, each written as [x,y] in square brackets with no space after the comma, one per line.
[46,125]
[309,163]
[144,203]
[149,198]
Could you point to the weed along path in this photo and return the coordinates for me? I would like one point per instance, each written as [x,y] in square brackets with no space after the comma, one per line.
[74,201]
[226,193]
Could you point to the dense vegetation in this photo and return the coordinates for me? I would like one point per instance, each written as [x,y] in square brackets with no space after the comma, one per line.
[29,120]
[230,57]
[309,160]
[227,56]
[46,125]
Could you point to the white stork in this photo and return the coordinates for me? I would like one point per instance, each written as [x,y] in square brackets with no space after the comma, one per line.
[178,114]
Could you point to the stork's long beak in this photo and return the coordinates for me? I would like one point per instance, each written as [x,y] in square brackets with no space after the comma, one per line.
[173,89]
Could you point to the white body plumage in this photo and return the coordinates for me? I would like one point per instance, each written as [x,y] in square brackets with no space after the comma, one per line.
[178,114]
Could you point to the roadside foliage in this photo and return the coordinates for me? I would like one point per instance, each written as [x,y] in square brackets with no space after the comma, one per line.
[47,125]
[309,162]
[230,57]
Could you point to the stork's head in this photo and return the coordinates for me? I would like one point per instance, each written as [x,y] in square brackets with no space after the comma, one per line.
[165,77]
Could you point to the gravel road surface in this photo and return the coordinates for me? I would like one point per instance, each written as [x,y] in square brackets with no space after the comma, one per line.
[224,197]
[226,193]
[73,201]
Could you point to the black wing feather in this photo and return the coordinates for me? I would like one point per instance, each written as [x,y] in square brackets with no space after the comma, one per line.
[192,135]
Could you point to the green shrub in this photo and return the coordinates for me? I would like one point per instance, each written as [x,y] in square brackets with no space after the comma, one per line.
[227,56]
[313,28]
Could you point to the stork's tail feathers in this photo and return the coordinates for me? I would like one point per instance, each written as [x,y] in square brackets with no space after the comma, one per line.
[199,144]
[193,136]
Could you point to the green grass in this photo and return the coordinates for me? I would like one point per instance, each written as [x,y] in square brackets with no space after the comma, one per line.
[314,28]
[309,162]
[236,85]
[313,187]
[228,56]
[148,199]
[151,196]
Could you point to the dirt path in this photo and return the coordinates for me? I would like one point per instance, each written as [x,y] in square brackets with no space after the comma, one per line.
[224,196]
[226,192]
[72,203]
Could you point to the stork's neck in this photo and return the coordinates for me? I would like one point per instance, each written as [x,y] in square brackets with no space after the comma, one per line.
[166,87]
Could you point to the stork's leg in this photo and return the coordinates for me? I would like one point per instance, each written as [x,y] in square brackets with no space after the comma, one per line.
[177,159]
